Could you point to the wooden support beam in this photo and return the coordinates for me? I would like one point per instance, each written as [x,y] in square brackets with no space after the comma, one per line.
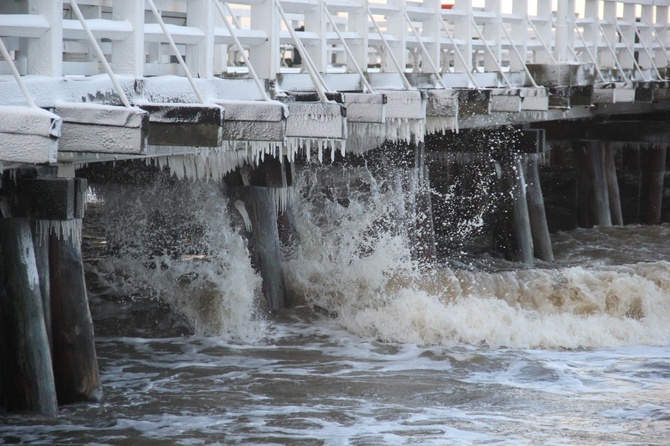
[74,360]
[519,243]
[44,198]
[27,376]
[536,212]
[652,175]
[593,202]
[613,187]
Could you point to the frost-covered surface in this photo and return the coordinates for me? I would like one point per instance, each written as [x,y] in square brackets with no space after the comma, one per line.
[254,110]
[28,135]
[323,120]
[100,114]
[29,121]
[365,107]
[404,104]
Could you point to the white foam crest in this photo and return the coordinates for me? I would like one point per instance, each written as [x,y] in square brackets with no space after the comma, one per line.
[174,241]
[354,263]
[569,308]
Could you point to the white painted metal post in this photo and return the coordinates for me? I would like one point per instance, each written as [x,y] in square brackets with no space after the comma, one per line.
[397,27]
[627,28]
[431,29]
[128,54]
[315,22]
[561,43]
[264,16]
[571,19]
[591,32]
[45,54]
[463,32]
[544,28]
[519,33]
[609,33]
[645,35]
[493,35]
[661,32]
[200,57]
[357,21]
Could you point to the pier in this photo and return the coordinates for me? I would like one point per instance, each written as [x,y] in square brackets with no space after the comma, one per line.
[531,98]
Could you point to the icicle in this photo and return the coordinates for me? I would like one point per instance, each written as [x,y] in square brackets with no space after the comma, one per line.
[441,124]
[282,197]
[63,229]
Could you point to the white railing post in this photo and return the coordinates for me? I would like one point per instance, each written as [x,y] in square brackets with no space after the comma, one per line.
[357,21]
[200,57]
[561,42]
[661,32]
[45,54]
[646,35]
[591,33]
[544,27]
[432,29]
[266,56]
[128,54]
[609,33]
[463,32]
[492,33]
[315,22]
[627,29]
[397,27]
[520,33]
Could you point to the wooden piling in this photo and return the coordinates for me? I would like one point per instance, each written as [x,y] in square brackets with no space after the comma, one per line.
[41,245]
[593,203]
[520,246]
[538,218]
[613,187]
[652,175]
[265,242]
[27,375]
[74,359]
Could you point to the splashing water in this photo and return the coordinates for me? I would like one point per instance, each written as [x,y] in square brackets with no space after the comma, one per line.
[354,263]
[174,241]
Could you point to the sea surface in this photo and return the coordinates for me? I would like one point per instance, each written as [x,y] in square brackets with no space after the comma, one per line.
[377,350]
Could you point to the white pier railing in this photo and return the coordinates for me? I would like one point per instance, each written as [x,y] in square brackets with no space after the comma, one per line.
[627,39]
[391,69]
